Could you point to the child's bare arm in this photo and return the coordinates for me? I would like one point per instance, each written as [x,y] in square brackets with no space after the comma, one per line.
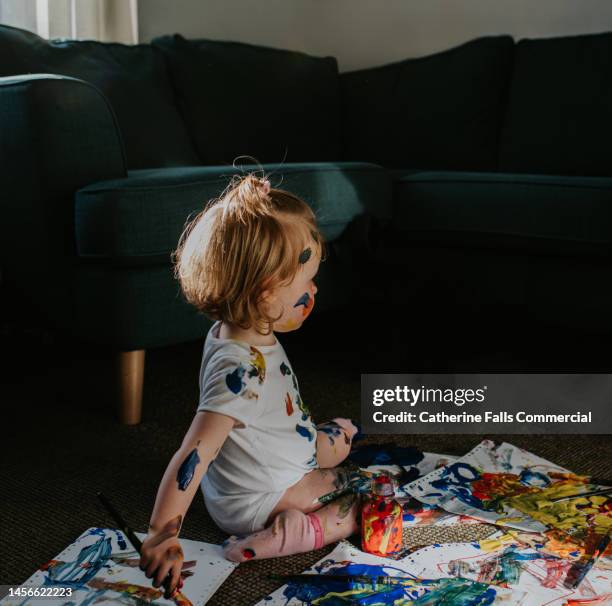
[161,551]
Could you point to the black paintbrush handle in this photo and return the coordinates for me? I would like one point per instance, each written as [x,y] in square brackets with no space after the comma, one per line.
[134,540]
[579,570]
[129,533]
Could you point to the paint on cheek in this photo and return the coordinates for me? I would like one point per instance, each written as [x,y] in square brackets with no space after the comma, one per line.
[187,469]
[289,325]
[249,554]
[304,256]
[307,302]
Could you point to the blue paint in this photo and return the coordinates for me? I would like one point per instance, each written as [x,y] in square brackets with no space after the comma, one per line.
[414,592]
[534,478]
[332,429]
[304,432]
[304,256]
[121,540]
[303,300]
[456,479]
[89,562]
[187,469]
[312,462]
[385,454]
[234,380]
[285,370]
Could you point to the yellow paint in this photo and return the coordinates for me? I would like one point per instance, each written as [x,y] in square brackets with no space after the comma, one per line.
[570,515]
[496,543]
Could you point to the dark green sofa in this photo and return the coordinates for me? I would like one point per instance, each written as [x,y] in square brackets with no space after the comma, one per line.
[106,156]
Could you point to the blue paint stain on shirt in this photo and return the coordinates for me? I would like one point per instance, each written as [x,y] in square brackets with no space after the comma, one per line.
[234,380]
[305,432]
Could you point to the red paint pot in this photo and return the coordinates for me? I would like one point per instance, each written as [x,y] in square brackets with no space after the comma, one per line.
[381,519]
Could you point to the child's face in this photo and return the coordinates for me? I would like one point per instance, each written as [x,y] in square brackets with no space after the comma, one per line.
[296,300]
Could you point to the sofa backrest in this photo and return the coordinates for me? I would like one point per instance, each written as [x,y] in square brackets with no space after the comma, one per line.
[133,78]
[241,99]
[559,117]
[442,111]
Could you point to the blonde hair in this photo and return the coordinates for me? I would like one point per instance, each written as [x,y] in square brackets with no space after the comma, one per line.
[247,241]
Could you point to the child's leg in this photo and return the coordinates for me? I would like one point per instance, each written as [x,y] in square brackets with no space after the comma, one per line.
[294,531]
[334,441]
[298,522]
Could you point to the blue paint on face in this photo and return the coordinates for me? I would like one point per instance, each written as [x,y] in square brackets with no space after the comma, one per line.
[285,370]
[332,429]
[304,256]
[234,380]
[303,300]
[187,469]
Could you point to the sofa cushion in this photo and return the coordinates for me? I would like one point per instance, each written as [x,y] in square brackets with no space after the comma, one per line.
[559,118]
[554,213]
[133,78]
[239,99]
[139,219]
[442,111]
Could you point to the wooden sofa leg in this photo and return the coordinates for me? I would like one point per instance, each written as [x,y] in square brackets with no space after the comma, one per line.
[130,377]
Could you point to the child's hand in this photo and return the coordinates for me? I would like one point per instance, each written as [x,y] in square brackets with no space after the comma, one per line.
[161,556]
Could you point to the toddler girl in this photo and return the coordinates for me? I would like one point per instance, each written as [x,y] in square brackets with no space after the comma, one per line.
[249,261]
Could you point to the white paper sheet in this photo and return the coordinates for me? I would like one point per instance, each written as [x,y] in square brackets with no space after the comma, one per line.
[101,567]
[346,559]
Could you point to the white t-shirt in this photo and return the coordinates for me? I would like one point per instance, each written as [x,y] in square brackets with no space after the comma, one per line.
[275,443]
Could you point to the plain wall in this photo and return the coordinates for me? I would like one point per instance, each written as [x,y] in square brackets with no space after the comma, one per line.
[364,33]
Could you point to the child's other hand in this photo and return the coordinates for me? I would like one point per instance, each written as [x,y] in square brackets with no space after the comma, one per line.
[161,556]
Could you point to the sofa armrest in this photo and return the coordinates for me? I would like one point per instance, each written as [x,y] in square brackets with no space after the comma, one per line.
[57,134]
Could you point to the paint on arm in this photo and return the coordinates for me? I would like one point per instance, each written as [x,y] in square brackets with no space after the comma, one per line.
[186,471]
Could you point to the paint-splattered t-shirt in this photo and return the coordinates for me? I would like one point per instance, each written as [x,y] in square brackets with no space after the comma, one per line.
[273,445]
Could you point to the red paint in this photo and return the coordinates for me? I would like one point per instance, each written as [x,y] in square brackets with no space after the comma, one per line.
[381,520]
[248,553]
[289,404]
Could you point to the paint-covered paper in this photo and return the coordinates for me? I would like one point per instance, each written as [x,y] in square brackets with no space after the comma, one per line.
[346,559]
[508,486]
[101,567]
[416,513]
[502,560]
[424,463]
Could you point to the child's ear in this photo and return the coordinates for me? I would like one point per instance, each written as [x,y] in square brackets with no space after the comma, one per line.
[268,297]
[269,302]
[268,293]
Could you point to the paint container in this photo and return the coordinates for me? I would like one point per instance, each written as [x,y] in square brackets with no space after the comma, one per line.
[381,519]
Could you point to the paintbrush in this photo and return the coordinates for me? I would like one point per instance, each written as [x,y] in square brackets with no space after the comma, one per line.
[134,540]
[331,496]
[579,570]
[591,493]
[362,579]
